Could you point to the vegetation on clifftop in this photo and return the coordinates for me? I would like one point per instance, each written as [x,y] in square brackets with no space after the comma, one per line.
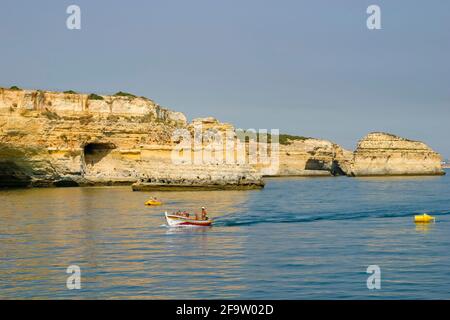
[288,139]
[94,96]
[124,94]
[284,139]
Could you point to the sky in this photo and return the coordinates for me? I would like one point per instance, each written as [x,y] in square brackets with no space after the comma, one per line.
[310,68]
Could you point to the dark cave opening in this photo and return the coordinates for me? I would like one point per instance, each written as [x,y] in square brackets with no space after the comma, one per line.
[95,152]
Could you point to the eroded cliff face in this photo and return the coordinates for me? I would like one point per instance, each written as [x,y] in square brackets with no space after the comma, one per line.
[386,154]
[377,154]
[57,139]
[68,139]
[312,157]
[296,157]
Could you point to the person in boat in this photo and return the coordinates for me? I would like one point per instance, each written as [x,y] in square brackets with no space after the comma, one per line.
[204,214]
[182,213]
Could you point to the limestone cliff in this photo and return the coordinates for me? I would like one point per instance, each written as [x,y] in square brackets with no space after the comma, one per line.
[378,154]
[65,139]
[296,156]
[312,157]
[386,154]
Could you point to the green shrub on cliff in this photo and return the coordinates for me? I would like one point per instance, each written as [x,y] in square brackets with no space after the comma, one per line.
[124,94]
[287,138]
[94,96]
[16,88]
[284,139]
[70,92]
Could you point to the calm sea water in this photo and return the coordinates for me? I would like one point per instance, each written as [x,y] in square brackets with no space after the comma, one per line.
[299,238]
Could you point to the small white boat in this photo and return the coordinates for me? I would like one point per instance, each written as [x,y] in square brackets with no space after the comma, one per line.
[174,220]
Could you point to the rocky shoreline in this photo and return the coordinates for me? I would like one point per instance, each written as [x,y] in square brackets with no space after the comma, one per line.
[66,139]
[145,186]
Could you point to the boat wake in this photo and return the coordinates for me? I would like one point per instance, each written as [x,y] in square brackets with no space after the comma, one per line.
[247,219]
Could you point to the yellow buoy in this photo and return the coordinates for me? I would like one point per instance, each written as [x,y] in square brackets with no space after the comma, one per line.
[424,218]
[153,203]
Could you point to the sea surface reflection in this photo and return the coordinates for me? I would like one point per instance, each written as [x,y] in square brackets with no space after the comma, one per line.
[297,238]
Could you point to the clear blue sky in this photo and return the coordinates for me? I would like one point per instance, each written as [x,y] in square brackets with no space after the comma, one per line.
[306,67]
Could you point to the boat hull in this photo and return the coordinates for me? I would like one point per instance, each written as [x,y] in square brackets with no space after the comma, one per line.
[177,221]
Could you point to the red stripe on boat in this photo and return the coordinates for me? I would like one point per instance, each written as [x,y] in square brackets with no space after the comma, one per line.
[195,224]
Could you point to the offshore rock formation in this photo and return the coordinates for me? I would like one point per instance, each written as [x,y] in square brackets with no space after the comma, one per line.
[380,154]
[69,139]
